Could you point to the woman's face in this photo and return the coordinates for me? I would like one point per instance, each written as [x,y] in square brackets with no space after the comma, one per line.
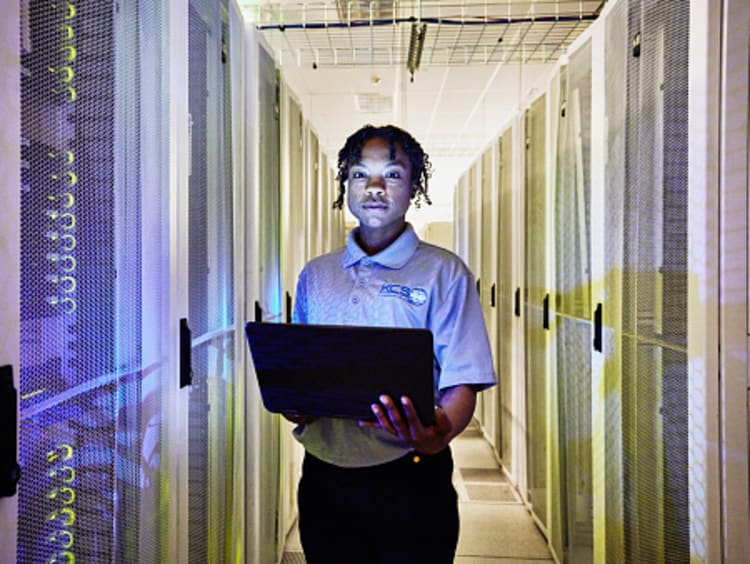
[380,189]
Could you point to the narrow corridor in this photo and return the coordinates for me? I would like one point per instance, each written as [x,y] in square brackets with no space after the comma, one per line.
[495,525]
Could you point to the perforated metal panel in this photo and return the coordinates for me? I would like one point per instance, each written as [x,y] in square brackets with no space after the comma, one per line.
[270,260]
[534,294]
[90,350]
[488,276]
[616,56]
[654,306]
[506,297]
[573,303]
[210,297]
[314,197]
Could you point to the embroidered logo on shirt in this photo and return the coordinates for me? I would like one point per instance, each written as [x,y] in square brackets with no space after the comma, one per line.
[415,296]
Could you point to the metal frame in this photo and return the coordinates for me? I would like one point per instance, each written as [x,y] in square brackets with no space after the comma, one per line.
[463,33]
[10,245]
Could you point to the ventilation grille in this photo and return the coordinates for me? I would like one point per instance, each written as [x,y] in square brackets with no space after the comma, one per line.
[373,103]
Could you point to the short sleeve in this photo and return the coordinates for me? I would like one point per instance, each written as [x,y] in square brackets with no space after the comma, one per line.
[462,349]
[300,299]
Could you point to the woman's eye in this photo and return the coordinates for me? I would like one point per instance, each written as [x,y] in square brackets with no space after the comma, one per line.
[357,174]
[393,174]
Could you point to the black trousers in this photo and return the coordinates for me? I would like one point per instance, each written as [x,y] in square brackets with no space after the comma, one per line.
[404,511]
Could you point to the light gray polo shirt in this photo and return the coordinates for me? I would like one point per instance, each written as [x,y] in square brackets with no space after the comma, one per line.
[409,284]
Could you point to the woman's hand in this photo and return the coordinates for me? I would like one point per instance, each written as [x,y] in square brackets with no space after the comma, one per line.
[450,419]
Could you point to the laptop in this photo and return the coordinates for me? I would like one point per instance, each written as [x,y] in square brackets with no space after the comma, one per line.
[340,370]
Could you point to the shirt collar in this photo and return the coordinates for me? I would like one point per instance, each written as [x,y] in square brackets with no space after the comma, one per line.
[395,255]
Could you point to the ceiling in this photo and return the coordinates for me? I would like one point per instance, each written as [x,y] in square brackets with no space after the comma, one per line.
[349,63]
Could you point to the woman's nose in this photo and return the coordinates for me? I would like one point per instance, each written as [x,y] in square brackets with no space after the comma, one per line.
[375,184]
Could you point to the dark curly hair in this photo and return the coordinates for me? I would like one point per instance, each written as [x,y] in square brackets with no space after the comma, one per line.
[421,168]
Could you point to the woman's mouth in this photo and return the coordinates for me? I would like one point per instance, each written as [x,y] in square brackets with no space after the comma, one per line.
[375,205]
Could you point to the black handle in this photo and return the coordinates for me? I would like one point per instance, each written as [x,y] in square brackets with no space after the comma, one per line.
[479,287]
[186,348]
[492,295]
[517,306]
[288,307]
[598,328]
[545,312]
[258,312]
[10,471]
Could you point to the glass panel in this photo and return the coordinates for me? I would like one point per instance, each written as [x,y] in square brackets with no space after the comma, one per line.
[93,291]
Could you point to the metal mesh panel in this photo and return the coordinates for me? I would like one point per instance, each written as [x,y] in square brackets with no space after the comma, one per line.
[572,197]
[268,532]
[314,197]
[487,263]
[210,303]
[269,186]
[573,299]
[535,265]
[198,284]
[616,55]
[488,285]
[294,247]
[574,377]
[654,373]
[89,406]
[475,220]
[505,297]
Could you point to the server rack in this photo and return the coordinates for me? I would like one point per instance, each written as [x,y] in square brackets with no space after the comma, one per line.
[104,248]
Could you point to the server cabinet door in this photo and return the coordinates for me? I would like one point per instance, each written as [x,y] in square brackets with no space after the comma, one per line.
[268,449]
[487,274]
[210,277]
[293,242]
[94,264]
[535,277]
[573,326]
[654,295]
[505,301]
[10,170]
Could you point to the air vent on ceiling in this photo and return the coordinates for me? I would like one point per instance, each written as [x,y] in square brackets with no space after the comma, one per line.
[364,10]
[373,103]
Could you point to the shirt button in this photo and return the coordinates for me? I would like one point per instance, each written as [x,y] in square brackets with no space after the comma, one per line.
[361,282]
[366,262]
[355,300]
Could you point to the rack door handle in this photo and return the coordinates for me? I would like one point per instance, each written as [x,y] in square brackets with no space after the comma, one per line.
[598,328]
[479,286]
[186,349]
[288,307]
[492,295]
[258,312]
[517,304]
[10,471]
[545,312]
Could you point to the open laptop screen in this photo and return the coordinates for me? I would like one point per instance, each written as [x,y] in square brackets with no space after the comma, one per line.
[340,370]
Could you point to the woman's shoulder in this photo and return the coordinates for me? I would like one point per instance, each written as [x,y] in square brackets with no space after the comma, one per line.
[443,258]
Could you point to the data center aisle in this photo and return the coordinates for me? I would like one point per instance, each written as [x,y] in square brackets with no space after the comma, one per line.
[495,526]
